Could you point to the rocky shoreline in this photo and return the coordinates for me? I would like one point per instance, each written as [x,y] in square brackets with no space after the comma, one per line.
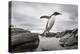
[23,40]
[68,38]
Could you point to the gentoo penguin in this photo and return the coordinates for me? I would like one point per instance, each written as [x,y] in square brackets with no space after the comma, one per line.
[50,22]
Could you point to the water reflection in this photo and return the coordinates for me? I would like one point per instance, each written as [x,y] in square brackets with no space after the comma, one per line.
[48,43]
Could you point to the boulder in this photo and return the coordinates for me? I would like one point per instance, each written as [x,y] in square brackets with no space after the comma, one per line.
[23,42]
[70,39]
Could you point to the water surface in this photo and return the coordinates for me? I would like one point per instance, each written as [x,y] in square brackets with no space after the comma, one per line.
[49,43]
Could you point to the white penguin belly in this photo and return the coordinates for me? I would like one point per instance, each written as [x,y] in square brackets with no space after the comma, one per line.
[51,22]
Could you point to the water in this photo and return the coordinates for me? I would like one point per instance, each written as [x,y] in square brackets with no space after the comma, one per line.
[49,43]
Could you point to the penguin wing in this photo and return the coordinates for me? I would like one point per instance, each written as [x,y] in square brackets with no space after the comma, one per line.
[47,17]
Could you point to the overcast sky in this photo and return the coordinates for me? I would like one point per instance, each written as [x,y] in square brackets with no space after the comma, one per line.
[27,15]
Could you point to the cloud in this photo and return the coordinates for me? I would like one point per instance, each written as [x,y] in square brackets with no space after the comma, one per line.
[27,15]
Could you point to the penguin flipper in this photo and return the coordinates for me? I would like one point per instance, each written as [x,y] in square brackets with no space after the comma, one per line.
[47,17]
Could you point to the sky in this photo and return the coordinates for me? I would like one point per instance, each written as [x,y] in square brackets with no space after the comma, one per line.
[27,15]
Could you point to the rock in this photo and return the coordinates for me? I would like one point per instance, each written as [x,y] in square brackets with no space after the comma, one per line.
[49,34]
[22,42]
[64,39]
[22,38]
[15,31]
[70,39]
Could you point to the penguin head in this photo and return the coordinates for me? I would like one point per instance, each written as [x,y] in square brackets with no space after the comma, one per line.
[56,13]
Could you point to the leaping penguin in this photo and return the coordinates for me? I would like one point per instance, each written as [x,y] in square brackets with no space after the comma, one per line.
[50,22]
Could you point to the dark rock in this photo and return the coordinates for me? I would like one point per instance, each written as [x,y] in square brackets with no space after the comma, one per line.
[70,39]
[15,31]
[24,41]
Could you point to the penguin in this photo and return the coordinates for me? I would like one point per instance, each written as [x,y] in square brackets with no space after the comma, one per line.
[50,22]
